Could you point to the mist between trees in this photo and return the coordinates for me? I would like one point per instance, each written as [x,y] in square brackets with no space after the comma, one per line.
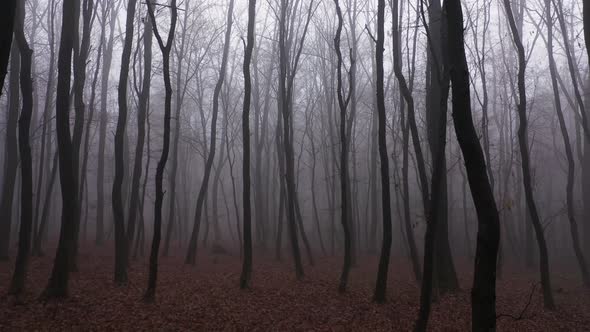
[298,129]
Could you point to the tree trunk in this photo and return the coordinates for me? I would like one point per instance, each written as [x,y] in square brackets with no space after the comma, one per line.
[483,294]
[58,282]
[150,293]
[380,293]
[344,144]
[192,246]
[247,263]
[100,180]
[144,99]
[525,163]
[568,148]
[117,196]
[24,243]
[10,155]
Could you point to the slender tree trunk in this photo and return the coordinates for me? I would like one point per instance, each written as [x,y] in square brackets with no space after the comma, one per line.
[142,110]
[121,245]
[174,168]
[344,144]
[192,246]
[247,263]
[525,163]
[100,179]
[81,50]
[568,149]
[150,293]
[380,293]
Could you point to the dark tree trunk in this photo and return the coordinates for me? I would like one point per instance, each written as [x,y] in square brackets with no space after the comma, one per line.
[150,293]
[10,155]
[192,246]
[102,132]
[525,163]
[6,29]
[58,282]
[435,206]
[436,102]
[46,127]
[344,144]
[405,124]
[380,293]
[247,263]
[178,106]
[568,148]
[26,83]
[81,50]
[37,251]
[117,197]
[142,111]
[483,294]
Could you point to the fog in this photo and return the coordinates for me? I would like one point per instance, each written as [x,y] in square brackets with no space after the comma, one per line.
[385,150]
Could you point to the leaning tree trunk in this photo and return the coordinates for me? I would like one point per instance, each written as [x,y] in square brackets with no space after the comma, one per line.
[26,200]
[568,149]
[58,282]
[10,156]
[525,163]
[150,293]
[483,294]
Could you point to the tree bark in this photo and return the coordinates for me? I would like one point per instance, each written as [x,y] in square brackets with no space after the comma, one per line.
[150,293]
[26,200]
[483,294]
[10,155]
[144,99]
[247,262]
[380,293]
[58,282]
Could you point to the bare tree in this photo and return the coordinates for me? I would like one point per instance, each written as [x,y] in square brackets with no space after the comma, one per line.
[525,161]
[26,200]
[150,293]
[483,294]
[192,247]
[380,293]
[58,282]
[249,46]
[343,100]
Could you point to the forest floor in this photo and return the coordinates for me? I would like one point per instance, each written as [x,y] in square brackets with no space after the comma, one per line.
[206,297]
